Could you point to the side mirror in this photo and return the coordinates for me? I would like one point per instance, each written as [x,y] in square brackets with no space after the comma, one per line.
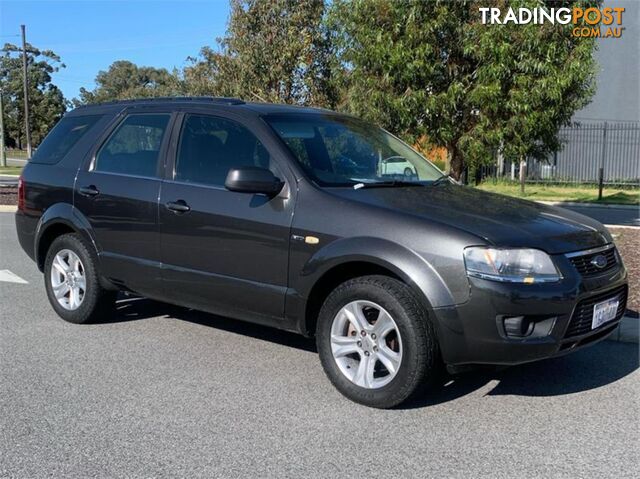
[251,179]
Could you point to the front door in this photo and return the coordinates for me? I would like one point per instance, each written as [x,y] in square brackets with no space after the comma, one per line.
[118,194]
[223,251]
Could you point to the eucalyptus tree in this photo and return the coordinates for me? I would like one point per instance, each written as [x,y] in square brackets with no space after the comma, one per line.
[124,80]
[432,68]
[46,101]
[275,51]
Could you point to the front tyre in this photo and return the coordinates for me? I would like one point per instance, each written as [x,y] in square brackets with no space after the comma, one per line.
[376,342]
[72,283]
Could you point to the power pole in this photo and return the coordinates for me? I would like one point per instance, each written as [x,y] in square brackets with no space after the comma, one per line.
[3,157]
[25,83]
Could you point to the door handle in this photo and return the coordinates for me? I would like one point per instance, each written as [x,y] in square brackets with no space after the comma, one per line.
[90,190]
[179,206]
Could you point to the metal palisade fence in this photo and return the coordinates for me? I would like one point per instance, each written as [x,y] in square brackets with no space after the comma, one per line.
[590,149]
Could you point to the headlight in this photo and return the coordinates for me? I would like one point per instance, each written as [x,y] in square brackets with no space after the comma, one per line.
[510,265]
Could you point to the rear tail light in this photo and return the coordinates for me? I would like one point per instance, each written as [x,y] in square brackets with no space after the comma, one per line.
[21,193]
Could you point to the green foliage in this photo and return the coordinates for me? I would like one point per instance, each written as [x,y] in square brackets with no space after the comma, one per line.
[536,76]
[46,102]
[432,68]
[275,51]
[125,80]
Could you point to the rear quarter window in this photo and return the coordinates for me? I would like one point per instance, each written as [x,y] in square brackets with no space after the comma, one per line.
[63,137]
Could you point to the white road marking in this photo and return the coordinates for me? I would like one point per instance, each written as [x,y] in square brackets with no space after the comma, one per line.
[9,277]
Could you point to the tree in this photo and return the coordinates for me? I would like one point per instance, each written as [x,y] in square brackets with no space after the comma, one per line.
[432,68]
[536,76]
[124,80]
[276,51]
[46,102]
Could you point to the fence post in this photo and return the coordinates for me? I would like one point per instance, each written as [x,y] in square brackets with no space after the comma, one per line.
[602,160]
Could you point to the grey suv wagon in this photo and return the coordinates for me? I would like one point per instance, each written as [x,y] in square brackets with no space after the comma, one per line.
[301,219]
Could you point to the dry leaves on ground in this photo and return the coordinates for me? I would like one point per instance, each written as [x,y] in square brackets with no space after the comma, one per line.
[8,195]
[628,242]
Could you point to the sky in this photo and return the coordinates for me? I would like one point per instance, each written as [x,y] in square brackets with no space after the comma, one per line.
[90,35]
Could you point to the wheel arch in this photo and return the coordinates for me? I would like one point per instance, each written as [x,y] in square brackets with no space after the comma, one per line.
[354,257]
[59,219]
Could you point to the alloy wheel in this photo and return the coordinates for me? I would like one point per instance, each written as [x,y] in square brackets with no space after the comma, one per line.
[68,279]
[366,344]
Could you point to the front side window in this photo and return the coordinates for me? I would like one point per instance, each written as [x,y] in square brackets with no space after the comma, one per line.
[134,148]
[210,146]
[344,151]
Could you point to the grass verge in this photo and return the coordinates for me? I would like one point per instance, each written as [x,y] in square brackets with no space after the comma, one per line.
[10,170]
[575,193]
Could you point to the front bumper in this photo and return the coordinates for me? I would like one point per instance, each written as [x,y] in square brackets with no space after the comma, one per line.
[474,332]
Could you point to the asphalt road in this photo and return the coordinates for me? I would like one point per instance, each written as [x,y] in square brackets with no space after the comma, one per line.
[163,392]
[8,180]
[610,216]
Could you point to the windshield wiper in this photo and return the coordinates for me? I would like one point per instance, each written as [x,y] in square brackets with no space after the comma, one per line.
[442,180]
[386,184]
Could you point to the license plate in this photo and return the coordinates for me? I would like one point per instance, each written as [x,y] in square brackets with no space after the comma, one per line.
[604,312]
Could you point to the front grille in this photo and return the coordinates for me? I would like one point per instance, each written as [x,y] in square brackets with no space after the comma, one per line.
[582,317]
[585,268]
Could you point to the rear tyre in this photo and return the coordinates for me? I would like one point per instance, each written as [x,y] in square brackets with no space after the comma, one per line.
[376,342]
[72,282]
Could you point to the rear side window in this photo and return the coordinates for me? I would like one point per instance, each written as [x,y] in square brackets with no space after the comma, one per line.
[62,137]
[211,146]
[134,146]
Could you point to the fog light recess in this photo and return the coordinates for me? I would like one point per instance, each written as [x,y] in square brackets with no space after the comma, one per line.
[517,326]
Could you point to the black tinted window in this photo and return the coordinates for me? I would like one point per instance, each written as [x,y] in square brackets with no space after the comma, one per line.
[211,146]
[134,147]
[62,138]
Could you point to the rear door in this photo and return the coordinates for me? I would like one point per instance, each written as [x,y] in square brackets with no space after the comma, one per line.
[118,190]
[225,252]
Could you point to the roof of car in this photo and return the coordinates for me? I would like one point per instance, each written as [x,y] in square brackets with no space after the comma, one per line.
[231,103]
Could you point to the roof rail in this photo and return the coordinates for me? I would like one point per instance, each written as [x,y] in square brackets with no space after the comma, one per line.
[203,99]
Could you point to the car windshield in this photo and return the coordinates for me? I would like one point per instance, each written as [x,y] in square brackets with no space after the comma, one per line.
[344,151]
